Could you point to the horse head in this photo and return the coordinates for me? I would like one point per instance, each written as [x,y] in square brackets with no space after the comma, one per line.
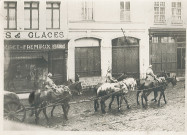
[172,80]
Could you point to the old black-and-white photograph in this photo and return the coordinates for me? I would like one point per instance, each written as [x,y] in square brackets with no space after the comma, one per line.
[93,65]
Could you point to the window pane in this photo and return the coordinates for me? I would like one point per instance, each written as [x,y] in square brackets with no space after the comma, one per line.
[121,5]
[162,10]
[127,5]
[27,19]
[56,5]
[35,4]
[12,18]
[49,18]
[12,4]
[49,5]
[56,18]
[173,4]
[35,19]
[26,4]
[179,4]
[5,4]
[156,10]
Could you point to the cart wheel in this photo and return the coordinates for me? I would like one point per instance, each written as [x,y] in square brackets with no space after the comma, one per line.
[14,111]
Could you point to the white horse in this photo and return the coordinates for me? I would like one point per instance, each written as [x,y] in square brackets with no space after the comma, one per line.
[105,91]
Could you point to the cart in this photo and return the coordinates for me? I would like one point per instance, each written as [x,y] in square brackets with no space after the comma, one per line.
[13,108]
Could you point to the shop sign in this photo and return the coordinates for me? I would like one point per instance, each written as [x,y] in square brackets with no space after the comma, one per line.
[34,35]
[35,47]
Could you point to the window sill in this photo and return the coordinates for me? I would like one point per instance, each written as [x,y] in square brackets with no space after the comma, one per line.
[160,23]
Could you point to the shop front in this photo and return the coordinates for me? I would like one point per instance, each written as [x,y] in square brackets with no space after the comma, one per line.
[167,50]
[27,62]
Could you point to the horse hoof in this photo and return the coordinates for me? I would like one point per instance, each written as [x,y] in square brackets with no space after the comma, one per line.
[165,102]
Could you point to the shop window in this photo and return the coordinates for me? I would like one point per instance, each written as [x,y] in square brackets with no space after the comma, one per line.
[53,15]
[10,15]
[154,39]
[31,15]
[167,40]
[159,12]
[125,11]
[87,10]
[181,58]
[176,12]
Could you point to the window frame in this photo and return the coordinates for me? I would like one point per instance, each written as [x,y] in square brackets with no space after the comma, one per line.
[85,14]
[159,13]
[175,16]
[125,12]
[7,8]
[30,8]
[51,9]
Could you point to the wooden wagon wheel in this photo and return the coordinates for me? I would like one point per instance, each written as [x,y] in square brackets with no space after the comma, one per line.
[14,111]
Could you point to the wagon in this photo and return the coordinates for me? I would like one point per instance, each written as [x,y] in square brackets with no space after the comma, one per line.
[13,108]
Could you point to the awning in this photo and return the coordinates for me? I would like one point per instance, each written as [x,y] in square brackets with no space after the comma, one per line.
[167,31]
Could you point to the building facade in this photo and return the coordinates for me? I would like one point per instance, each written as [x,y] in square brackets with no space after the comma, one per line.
[89,37]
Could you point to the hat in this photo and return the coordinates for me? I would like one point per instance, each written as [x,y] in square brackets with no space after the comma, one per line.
[49,74]
[150,66]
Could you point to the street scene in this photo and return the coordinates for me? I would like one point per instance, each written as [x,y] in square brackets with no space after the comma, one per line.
[88,65]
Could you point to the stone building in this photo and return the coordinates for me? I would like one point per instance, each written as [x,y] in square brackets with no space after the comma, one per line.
[69,37]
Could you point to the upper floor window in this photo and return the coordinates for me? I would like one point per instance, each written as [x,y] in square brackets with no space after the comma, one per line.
[31,15]
[176,12]
[53,15]
[125,11]
[159,12]
[87,10]
[10,15]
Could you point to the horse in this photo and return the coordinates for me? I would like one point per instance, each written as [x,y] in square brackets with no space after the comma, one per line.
[40,98]
[75,87]
[141,83]
[105,91]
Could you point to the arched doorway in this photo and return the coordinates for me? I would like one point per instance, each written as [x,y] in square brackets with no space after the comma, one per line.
[125,56]
[87,57]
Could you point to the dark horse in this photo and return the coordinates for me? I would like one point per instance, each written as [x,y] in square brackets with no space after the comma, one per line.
[75,87]
[40,98]
[141,82]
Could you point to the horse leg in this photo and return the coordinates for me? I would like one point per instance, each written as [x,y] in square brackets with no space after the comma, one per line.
[142,96]
[161,93]
[112,99]
[119,107]
[36,115]
[96,104]
[67,108]
[137,96]
[64,110]
[164,98]
[155,96]
[128,106]
[52,110]
[44,111]
[102,102]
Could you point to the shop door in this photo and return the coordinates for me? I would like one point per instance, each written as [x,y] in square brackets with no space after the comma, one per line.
[163,57]
[57,66]
[125,59]
[87,61]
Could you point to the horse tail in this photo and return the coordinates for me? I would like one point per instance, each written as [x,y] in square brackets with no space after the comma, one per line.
[31,97]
